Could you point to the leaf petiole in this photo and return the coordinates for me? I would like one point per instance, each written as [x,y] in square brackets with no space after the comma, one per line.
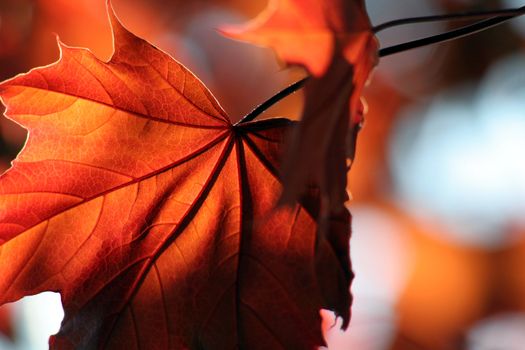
[505,15]
[273,100]
[447,36]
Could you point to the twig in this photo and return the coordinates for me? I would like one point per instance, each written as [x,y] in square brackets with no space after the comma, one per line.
[505,15]
[449,17]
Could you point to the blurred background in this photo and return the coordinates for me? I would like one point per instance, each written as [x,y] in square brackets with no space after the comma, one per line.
[438,186]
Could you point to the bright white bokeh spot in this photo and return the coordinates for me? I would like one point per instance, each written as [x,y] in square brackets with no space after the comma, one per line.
[498,332]
[381,254]
[518,23]
[461,157]
[43,314]
[36,319]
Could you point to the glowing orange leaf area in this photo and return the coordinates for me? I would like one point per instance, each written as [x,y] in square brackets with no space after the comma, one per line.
[334,41]
[310,32]
[154,217]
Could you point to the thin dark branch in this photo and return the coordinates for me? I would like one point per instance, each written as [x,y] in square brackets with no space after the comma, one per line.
[451,35]
[450,17]
[273,100]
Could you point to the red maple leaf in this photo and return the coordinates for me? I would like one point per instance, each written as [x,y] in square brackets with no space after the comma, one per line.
[333,40]
[154,217]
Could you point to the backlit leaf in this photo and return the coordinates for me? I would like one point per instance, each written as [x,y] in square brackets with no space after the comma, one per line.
[333,40]
[154,217]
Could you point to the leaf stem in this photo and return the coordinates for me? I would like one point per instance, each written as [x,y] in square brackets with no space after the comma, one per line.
[450,17]
[504,15]
[451,35]
[273,100]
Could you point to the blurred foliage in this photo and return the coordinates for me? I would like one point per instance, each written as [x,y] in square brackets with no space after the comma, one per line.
[450,286]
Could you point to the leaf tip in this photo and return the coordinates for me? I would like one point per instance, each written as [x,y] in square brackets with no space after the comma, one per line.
[113,19]
[109,7]
[117,28]
[228,31]
[245,31]
[122,37]
[60,43]
[62,47]
[232,31]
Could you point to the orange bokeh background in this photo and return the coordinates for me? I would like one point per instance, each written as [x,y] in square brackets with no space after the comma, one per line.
[446,287]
